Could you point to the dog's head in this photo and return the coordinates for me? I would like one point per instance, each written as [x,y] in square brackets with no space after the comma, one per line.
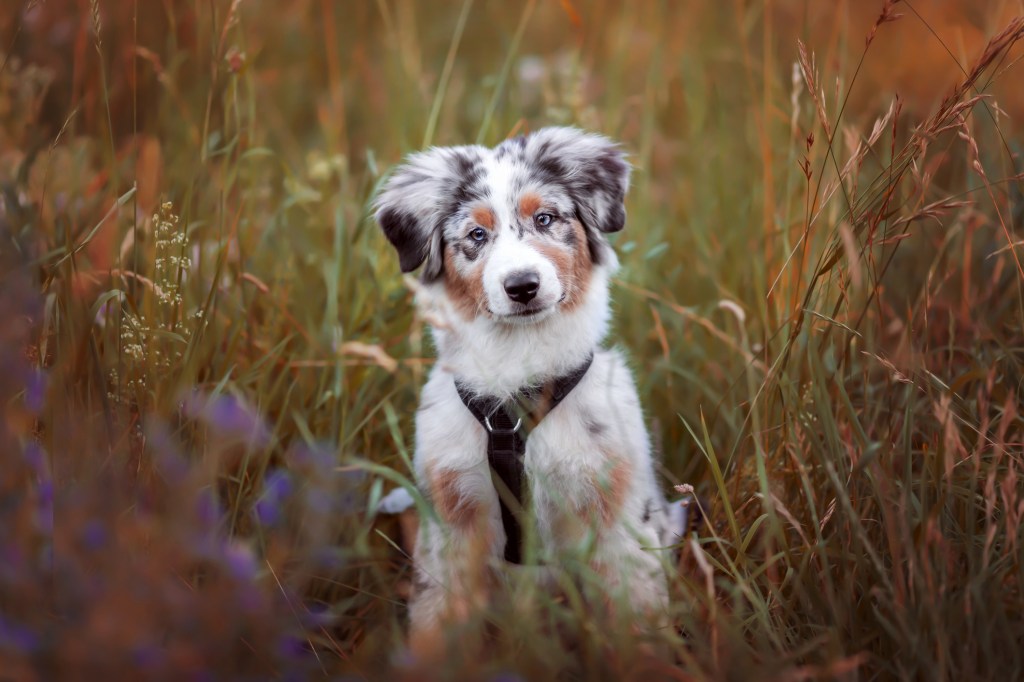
[515,232]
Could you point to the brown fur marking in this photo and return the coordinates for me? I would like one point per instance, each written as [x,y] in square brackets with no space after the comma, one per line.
[472,544]
[483,216]
[528,204]
[459,510]
[573,265]
[612,486]
[465,291]
[582,265]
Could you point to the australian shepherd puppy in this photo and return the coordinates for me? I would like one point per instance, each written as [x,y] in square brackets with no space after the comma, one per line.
[515,273]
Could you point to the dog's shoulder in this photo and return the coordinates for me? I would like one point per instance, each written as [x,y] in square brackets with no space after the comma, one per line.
[609,382]
[445,429]
[603,411]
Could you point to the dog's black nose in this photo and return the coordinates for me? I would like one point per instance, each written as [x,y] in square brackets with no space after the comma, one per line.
[522,286]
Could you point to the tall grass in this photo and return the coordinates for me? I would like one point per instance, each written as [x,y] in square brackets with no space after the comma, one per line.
[210,363]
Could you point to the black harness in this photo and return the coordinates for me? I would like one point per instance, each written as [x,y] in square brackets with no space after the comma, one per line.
[506,442]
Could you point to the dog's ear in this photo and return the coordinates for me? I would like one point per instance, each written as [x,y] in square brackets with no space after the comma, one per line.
[417,199]
[592,168]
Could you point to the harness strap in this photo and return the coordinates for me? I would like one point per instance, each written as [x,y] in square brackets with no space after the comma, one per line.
[506,442]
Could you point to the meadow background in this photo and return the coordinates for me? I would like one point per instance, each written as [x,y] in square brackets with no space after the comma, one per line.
[209,361]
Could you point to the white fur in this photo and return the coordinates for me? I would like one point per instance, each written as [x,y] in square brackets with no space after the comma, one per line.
[511,254]
[494,358]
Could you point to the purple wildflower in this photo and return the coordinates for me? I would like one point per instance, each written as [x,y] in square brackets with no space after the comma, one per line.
[228,416]
[94,534]
[277,488]
[35,456]
[35,391]
[148,656]
[293,648]
[317,615]
[169,459]
[208,509]
[17,637]
[240,561]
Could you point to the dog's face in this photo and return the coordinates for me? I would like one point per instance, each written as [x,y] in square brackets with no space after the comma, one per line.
[513,232]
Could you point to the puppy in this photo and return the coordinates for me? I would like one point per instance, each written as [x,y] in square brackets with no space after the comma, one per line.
[516,267]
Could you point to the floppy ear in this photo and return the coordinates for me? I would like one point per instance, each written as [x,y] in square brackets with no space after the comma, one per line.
[419,197]
[592,168]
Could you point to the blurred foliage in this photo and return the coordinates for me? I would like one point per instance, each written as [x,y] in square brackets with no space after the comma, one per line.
[210,362]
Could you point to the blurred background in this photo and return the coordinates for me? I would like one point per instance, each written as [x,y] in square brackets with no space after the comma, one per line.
[211,362]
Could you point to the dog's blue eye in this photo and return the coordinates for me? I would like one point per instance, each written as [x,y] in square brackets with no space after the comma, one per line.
[544,219]
[478,234]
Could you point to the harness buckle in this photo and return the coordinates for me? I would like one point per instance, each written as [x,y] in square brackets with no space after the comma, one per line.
[502,432]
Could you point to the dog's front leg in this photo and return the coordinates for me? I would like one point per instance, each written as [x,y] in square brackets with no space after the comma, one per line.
[455,556]
[591,507]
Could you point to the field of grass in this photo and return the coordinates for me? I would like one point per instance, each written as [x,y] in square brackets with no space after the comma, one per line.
[209,362]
